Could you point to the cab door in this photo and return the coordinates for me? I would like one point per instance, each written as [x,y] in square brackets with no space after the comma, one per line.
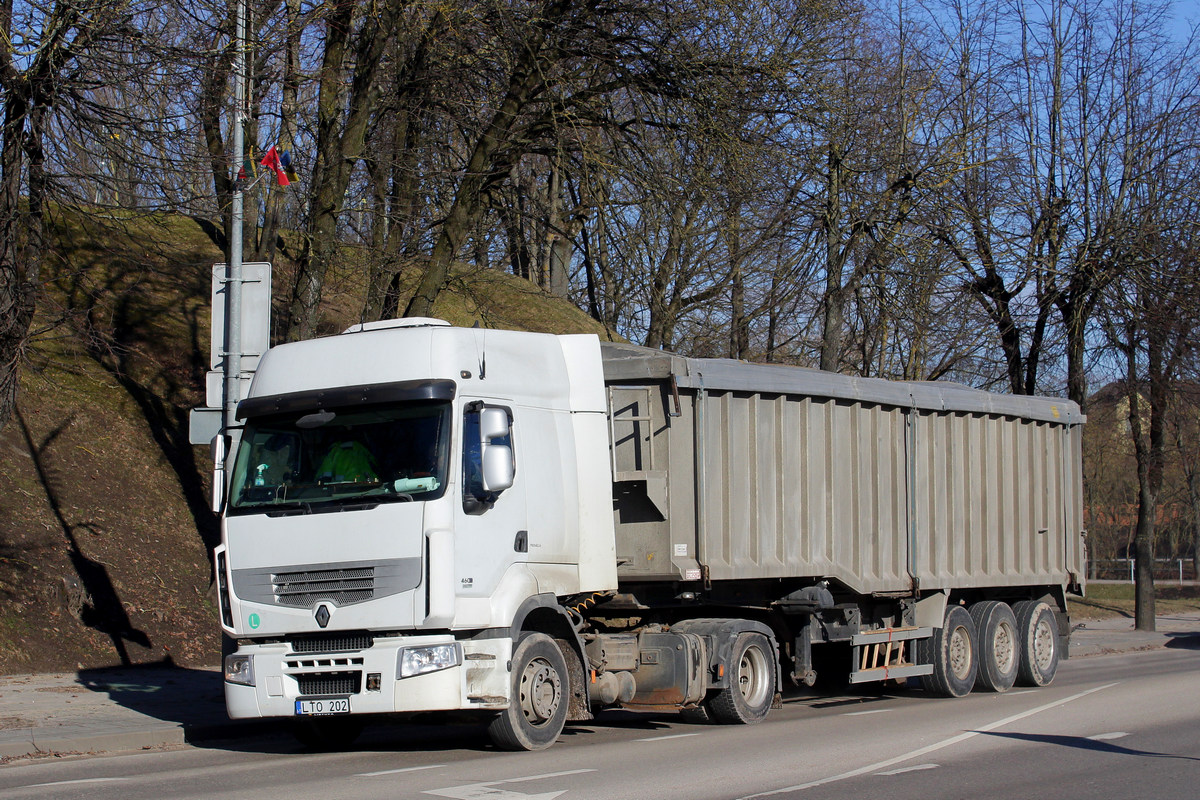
[491,530]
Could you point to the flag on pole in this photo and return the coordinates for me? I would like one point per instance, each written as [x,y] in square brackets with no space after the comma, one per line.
[272,162]
[246,171]
[285,160]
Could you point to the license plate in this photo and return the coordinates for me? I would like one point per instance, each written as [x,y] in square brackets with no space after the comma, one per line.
[324,707]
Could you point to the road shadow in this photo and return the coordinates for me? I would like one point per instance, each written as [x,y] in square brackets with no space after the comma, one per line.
[194,699]
[162,691]
[1083,743]
[1184,641]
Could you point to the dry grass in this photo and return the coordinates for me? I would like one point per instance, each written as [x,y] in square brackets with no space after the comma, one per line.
[1106,600]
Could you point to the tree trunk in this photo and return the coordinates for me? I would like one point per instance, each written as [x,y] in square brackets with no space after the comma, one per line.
[1074,321]
[739,322]
[835,260]
[1143,543]
[288,110]
[1149,478]
[16,294]
[212,101]
[344,114]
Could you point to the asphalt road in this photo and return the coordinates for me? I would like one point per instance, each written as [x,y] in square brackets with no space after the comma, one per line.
[1111,726]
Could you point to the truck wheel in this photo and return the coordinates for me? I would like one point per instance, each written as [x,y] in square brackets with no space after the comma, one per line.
[540,696]
[952,652]
[751,689]
[325,734]
[1037,629]
[996,629]
[698,715]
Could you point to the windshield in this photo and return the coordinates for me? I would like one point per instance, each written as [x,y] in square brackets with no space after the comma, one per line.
[328,460]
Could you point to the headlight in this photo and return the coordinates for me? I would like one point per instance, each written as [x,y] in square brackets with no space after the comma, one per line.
[239,669]
[419,660]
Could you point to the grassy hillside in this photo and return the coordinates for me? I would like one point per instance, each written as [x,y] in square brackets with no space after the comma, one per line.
[105,533]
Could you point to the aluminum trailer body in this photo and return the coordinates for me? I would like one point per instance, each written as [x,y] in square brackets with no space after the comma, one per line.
[728,470]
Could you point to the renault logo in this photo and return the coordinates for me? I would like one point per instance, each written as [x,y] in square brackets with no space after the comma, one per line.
[322,615]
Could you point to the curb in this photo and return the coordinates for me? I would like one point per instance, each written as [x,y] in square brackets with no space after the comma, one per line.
[130,740]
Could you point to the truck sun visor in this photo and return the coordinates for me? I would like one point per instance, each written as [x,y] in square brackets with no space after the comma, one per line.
[343,397]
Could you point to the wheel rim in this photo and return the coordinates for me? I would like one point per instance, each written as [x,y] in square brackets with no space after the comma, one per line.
[540,691]
[960,653]
[752,676]
[1043,645]
[1004,647]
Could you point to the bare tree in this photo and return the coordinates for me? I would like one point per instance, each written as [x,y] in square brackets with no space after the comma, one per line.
[48,50]
[356,38]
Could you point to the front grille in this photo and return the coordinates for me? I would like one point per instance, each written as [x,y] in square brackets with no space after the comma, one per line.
[342,642]
[319,683]
[342,584]
[339,586]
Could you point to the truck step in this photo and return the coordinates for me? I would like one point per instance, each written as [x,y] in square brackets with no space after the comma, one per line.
[891,635]
[890,673]
[880,655]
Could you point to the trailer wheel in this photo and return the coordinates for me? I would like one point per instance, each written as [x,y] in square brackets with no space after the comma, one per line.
[751,689]
[540,697]
[1037,628]
[999,656]
[326,734]
[953,652]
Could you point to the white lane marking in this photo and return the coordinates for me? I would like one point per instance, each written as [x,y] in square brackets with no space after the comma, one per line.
[903,770]
[664,738]
[75,782]
[1104,737]
[962,737]
[484,791]
[1021,691]
[862,713]
[396,771]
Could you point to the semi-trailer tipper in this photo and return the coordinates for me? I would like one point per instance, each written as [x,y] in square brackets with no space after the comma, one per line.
[424,518]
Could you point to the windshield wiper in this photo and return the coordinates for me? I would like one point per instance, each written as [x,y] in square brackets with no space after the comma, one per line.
[283,509]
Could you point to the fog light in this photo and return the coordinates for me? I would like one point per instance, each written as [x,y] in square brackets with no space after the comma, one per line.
[374,679]
[419,660]
[239,669]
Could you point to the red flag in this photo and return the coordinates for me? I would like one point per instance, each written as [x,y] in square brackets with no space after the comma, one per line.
[271,161]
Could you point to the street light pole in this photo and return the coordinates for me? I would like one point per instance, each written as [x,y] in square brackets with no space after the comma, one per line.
[233,278]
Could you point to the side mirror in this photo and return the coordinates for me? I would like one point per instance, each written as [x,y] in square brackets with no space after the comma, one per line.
[219,447]
[493,424]
[498,467]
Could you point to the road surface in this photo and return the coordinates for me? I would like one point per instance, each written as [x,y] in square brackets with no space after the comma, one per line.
[1113,726]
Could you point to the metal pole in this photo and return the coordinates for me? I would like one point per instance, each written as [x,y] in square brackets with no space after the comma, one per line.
[233,282]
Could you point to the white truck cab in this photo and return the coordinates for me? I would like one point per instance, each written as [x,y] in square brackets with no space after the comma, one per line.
[401,496]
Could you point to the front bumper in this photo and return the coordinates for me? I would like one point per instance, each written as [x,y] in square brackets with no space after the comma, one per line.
[281,676]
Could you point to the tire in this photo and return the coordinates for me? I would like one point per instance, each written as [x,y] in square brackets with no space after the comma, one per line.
[1037,628]
[326,734]
[699,715]
[541,695]
[999,651]
[953,652]
[751,690]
